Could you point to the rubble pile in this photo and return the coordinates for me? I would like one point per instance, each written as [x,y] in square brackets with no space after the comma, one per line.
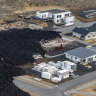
[57,43]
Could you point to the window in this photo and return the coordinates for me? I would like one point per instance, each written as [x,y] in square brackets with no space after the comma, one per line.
[62,20]
[52,16]
[58,16]
[68,55]
[67,15]
[44,15]
[84,60]
[74,67]
[88,36]
[72,57]
[57,21]
[94,35]
[75,57]
[90,59]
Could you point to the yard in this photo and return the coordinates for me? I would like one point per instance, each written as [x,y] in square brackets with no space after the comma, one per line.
[86,89]
[89,89]
[35,8]
[92,41]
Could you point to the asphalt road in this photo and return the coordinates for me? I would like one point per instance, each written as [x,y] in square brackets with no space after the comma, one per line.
[77,24]
[79,41]
[82,87]
[56,91]
[38,90]
[78,81]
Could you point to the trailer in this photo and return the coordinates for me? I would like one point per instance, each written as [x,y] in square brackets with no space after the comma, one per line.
[63,74]
[46,75]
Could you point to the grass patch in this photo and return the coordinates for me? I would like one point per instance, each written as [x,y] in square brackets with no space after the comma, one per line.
[89,89]
[83,19]
[35,8]
[91,41]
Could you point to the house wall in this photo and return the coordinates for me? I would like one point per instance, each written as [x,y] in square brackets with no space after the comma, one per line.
[73,58]
[38,14]
[90,36]
[94,58]
[42,15]
[76,34]
[76,59]
[59,20]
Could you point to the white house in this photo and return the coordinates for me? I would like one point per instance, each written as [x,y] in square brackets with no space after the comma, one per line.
[58,16]
[82,55]
[85,33]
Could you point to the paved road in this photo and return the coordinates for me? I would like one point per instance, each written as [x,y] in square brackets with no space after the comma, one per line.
[37,90]
[77,40]
[34,81]
[77,24]
[78,81]
[56,91]
[82,87]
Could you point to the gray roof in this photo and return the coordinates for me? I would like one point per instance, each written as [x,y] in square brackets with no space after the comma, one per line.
[85,31]
[81,52]
[54,11]
[82,31]
[92,48]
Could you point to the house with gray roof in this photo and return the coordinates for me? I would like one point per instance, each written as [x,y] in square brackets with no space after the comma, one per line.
[81,55]
[85,33]
[58,16]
